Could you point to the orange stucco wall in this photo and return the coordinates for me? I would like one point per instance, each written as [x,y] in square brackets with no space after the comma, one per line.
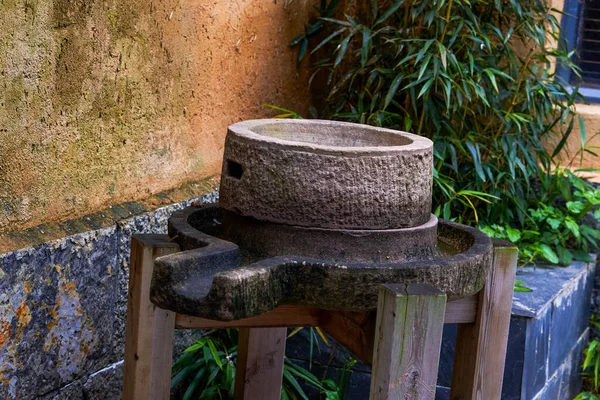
[108,101]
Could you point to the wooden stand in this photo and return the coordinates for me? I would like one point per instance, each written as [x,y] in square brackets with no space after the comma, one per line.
[401,342]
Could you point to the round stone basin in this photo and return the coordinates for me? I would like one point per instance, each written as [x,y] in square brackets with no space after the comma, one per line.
[327,174]
[233,267]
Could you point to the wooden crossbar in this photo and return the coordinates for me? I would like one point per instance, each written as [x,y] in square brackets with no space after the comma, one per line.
[461,311]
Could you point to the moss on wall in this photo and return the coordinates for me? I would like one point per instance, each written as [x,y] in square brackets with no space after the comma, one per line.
[105,101]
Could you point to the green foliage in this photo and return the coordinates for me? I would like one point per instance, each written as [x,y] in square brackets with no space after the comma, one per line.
[591,369]
[325,10]
[330,389]
[477,78]
[520,287]
[285,113]
[206,370]
[551,231]
[587,396]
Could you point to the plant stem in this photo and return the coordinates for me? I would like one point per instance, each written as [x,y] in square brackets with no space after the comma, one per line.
[448,10]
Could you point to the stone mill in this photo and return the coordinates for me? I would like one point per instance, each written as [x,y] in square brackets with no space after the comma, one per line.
[328,224]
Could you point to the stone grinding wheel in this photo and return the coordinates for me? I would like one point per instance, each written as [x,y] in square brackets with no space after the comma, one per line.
[327,174]
[316,213]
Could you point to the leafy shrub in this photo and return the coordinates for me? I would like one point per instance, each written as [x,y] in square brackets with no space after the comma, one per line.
[551,230]
[591,368]
[477,78]
[206,370]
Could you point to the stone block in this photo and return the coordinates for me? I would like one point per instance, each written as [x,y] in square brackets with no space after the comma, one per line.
[56,303]
[568,319]
[106,384]
[565,382]
[442,393]
[537,337]
[447,355]
[73,391]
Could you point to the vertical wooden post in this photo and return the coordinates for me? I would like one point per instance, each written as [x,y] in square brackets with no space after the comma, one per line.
[259,368]
[149,330]
[481,346]
[408,337]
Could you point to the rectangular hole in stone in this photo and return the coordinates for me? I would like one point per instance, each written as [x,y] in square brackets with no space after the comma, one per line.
[234,169]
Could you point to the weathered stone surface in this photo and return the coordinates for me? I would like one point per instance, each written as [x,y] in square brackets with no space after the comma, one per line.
[209,280]
[56,303]
[327,174]
[258,240]
[63,302]
[73,391]
[106,384]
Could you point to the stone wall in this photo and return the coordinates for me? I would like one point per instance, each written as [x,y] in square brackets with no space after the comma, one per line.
[63,301]
[105,101]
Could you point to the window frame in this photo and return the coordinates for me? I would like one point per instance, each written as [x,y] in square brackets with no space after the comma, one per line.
[570,22]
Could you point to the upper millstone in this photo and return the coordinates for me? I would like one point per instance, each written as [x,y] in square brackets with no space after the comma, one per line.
[327,174]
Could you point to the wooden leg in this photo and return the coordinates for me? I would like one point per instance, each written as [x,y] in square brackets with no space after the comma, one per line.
[408,337]
[149,330]
[481,346]
[259,368]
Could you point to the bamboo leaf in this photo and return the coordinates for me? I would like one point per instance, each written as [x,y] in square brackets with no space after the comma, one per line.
[195,382]
[492,77]
[392,90]
[288,377]
[389,12]
[302,50]
[366,46]
[343,47]
[443,55]
[582,134]
[215,353]
[328,39]
[425,87]
[474,150]
[296,40]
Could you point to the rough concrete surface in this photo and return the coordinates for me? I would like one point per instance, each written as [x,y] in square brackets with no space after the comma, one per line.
[327,174]
[63,305]
[103,102]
